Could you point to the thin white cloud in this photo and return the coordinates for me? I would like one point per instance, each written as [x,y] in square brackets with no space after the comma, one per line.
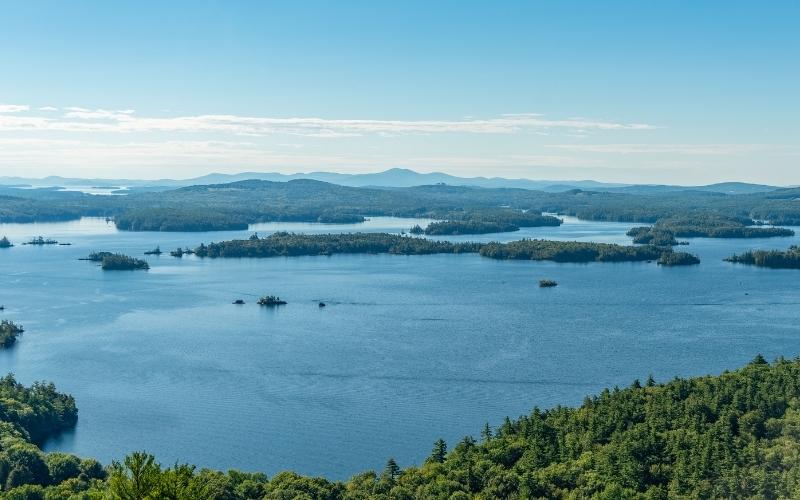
[47,108]
[13,108]
[686,149]
[78,119]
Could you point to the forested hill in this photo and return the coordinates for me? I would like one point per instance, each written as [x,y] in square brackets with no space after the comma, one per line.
[736,435]
[234,205]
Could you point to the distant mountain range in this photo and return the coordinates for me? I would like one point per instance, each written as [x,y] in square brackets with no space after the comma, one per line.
[395,177]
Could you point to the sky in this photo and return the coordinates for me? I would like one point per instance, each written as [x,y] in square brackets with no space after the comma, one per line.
[678,92]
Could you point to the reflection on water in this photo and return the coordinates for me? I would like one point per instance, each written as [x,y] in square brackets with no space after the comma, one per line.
[408,349]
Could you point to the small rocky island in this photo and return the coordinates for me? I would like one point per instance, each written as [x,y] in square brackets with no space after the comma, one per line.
[40,240]
[117,262]
[4,243]
[180,252]
[155,251]
[271,300]
[547,283]
[677,259]
[8,333]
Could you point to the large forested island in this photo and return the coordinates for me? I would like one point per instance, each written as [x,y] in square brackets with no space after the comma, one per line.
[729,436]
[283,244]
[776,259]
[569,251]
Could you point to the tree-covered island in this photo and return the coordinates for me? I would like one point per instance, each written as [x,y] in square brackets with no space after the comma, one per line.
[119,262]
[9,331]
[283,244]
[775,259]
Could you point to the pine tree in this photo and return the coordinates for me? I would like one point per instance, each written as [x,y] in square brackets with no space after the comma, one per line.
[439,452]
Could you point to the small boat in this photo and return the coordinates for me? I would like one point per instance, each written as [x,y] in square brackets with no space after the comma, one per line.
[322,304]
[238,302]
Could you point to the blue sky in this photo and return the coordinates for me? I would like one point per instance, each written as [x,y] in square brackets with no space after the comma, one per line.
[679,91]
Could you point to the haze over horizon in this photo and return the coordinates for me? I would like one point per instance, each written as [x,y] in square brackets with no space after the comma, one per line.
[680,93]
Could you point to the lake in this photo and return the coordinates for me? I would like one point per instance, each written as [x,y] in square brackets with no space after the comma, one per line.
[408,350]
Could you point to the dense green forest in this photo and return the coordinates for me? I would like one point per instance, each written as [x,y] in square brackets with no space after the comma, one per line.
[455,227]
[234,205]
[569,251]
[736,435]
[776,259]
[291,244]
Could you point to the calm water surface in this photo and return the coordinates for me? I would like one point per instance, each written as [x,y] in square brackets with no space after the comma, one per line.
[408,350]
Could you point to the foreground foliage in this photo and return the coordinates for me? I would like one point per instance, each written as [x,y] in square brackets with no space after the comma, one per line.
[736,435]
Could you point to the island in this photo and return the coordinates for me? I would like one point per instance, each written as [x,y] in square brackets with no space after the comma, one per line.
[545,283]
[180,252]
[271,300]
[283,244]
[665,230]
[5,243]
[97,256]
[155,251]
[40,240]
[677,259]
[775,259]
[483,221]
[119,262]
[8,333]
[569,251]
[456,227]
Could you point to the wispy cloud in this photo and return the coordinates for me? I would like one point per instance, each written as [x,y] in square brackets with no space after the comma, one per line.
[78,119]
[684,149]
[13,108]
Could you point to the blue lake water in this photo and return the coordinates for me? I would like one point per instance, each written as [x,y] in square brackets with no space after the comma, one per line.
[409,349]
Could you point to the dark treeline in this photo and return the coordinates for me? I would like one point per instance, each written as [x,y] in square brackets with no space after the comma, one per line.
[729,436]
[291,244]
[569,251]
[455,227]
[234,205]
[776,259]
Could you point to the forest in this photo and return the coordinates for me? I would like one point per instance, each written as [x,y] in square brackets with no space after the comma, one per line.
[283,244]
[734,435]
[776,259]
[569,251]
[234,205]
